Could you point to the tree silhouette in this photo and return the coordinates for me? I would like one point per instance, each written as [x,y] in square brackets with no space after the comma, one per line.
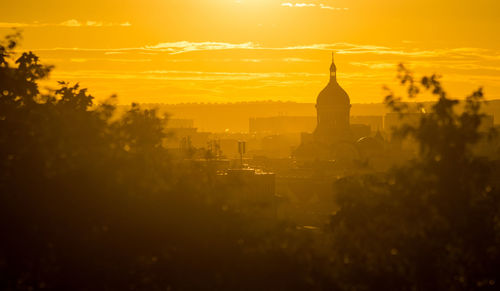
[90,200]
[432,224]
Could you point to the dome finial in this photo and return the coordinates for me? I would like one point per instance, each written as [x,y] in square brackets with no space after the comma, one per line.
[333,68]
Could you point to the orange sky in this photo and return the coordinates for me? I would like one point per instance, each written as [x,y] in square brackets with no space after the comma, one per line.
[166,51]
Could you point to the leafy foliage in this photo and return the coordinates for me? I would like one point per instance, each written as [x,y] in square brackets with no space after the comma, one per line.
[89,201]
[432,224]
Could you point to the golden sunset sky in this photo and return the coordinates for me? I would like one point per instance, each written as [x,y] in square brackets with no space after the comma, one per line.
[165,51]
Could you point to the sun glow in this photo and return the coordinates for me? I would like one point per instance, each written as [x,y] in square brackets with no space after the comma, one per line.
[248,50]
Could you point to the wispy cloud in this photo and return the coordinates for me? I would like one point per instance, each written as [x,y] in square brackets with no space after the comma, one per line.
[321,5]
[299,60]
[339,48]
[186,46]
[373,65]
[298,4]
[114,53]
[84,60]
[67,23]
[182,47]
[251,60]
[180,75]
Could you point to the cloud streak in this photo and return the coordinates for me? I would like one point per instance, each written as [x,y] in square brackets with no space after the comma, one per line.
[67,23]
[340,48]
[406,53]
[173,75]
[84,60]
[321,5]
[186,46]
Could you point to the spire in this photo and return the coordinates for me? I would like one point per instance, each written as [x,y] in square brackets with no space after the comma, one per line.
[333,70]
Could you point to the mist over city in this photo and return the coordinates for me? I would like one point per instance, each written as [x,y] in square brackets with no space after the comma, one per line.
[249,145]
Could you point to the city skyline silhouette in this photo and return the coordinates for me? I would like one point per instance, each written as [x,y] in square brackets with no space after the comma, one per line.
[249,145]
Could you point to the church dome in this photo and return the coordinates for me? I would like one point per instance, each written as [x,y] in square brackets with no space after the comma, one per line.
[333,94]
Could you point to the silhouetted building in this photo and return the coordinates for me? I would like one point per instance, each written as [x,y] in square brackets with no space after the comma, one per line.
[279,146]
[332,139]
[186,136]
[376,122]
[282,124]
[333,108]
[358,131]
[180,123]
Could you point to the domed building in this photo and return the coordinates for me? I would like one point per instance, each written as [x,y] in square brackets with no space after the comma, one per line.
[332,138]
[333,108]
